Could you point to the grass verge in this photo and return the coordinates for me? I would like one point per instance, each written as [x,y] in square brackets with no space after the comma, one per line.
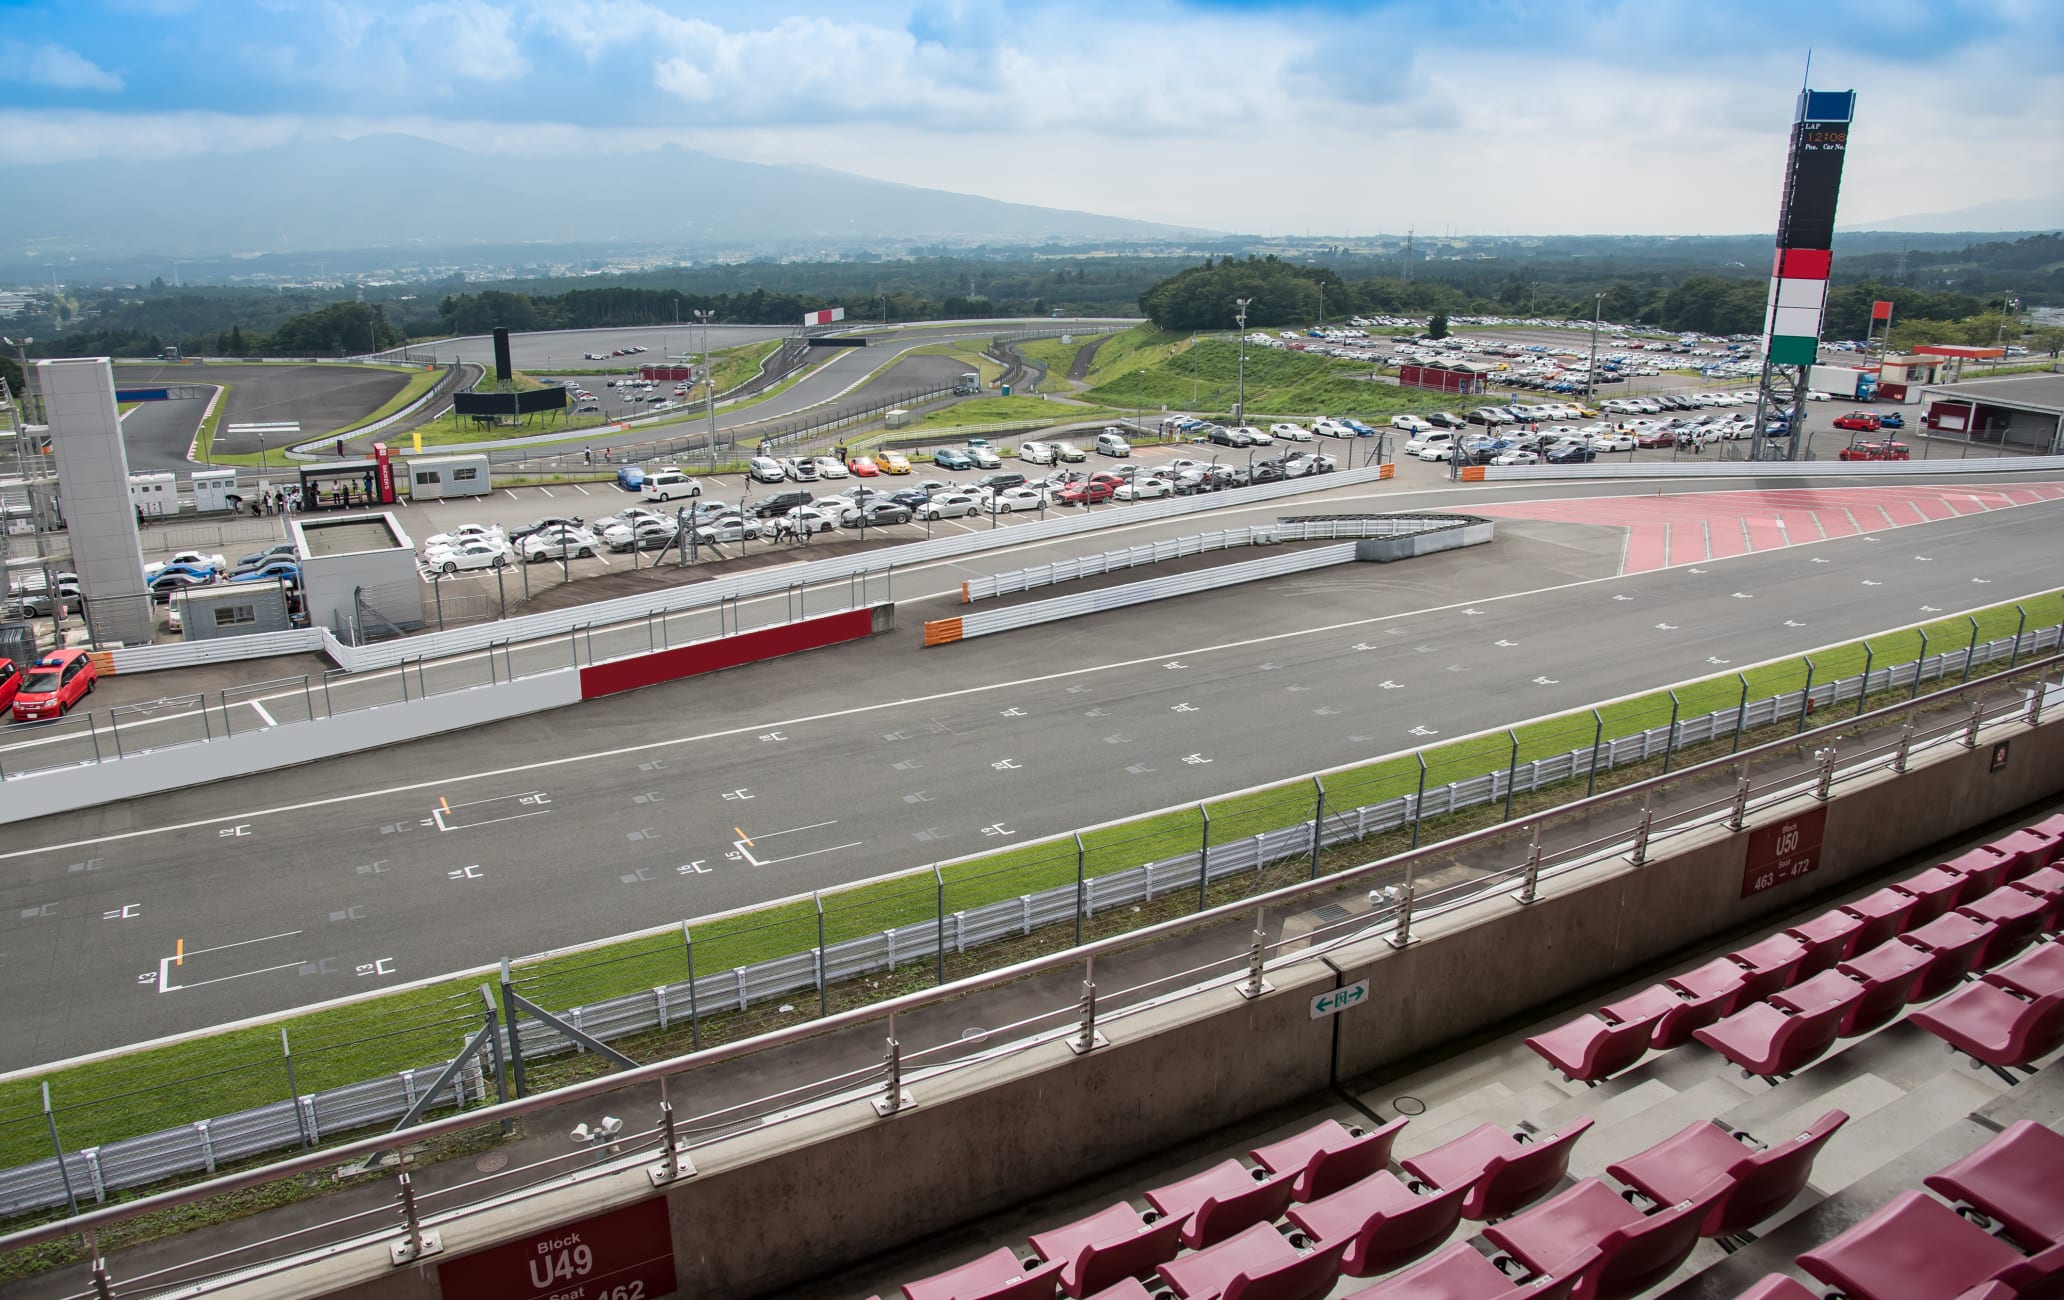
[142,1092]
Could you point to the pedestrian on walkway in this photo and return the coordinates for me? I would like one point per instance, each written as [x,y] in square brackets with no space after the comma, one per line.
[139,518]
[587,455]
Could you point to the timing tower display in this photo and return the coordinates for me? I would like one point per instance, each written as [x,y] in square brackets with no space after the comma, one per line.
[1805,240]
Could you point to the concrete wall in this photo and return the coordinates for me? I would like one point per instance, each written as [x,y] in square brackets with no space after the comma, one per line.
[93,479]
[817,1193]
[115,779]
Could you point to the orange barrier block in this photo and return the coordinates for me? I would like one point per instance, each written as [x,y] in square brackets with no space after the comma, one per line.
[103,662]
[963,593]
[1389,471]
[1472,473]
[942,631]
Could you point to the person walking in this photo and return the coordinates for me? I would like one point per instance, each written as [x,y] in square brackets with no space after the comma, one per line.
[587,455]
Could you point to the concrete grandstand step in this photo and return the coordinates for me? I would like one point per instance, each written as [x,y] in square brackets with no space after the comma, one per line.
[1627,1135]
[1871,1142]
[1488,1104]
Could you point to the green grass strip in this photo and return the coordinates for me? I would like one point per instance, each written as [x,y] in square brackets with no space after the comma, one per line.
[144,1091]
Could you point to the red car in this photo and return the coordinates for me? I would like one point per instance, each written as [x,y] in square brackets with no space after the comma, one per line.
[1656,438]
[1861,421]
[55,683]
[1087,493]
[1875,451]
[10,682]
[863,467]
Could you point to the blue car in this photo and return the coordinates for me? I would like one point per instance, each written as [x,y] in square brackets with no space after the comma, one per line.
[952,458]
[1574,453]
[196,572]
[1891,420]
[911,497]
[1360,430]
[286,570]
[631,478]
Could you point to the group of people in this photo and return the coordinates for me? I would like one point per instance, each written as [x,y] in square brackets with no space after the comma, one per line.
[790,530]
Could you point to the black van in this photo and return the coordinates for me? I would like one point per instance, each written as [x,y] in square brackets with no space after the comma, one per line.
[1000,480]
[780,503]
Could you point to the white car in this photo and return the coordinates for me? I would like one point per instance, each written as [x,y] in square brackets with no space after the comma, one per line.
[1013,499]
[1427,439]
[1068,451]
[559,543]
[1255,437]
[1410,423]
[646,534]
[466,555]
[832,467]
[765,469]
[1037,453]
[1144,488]
[813,518]
[1613,442]
[668,484]
[984,456]
[1332,429]
[192,559]
[1517,456]
[1291,432]
[950,505]
[735,528]
[1437,451]
[1304,464]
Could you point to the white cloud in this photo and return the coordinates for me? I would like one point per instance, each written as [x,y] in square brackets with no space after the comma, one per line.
[59,67]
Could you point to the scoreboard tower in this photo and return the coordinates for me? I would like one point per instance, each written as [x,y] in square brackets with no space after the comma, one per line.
[1798,278]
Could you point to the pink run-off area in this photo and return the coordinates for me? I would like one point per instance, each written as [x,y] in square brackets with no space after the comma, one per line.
[1666,531]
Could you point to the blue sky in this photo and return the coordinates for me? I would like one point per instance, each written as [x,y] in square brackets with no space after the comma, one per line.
[1327,116]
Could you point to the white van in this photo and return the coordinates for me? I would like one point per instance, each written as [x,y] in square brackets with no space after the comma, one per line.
[1426,438]
[668,484]
[1112,443]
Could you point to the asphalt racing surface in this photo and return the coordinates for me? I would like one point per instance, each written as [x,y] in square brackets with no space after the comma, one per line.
[181,911]
[159,434]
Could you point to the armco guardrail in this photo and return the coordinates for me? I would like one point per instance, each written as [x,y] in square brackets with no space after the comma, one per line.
[190,654]
[1766,468]
[1322,529]
[193,1148]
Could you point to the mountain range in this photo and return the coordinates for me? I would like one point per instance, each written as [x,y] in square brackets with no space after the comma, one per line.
[403,191]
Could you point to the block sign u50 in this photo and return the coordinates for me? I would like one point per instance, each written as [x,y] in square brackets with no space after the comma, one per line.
[626,1254]
[1783,851]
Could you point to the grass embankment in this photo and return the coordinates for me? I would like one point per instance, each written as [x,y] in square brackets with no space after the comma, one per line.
[969,353]
[1058,357]
[1005,410]
[1147,367]
[149,1090]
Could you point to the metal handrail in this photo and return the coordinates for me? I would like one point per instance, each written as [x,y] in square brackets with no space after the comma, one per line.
[1067,958]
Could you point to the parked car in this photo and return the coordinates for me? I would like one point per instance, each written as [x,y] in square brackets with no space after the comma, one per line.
[765,469]
[53,685]
[287,571]
[518,534]
[1144,488]
[1410,423]
[952,458]
[1655,438]
[10,682]
[260,557]
[1304,464]
[875,513]
[187,559]
[891,462]
[813,518]
[1013,499]
[1087,492]
[1000,480]
[949,505]
[170,580]
[1290,432]
[478,554]
[559,543]
[1446,420]
[862,467]
[1034,452]
[1891,420]
[801,469]
[780,503]
[1069,452]
[1572,453]
[631,478]
[830,467]
[1516,456]
[1860,421]
[667,485]
[461,534]
[735,528]
[1226,437]
[1112,443]
[981,455]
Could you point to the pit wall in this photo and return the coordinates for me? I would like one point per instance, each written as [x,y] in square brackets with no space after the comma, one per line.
[813,1195]
[39,794]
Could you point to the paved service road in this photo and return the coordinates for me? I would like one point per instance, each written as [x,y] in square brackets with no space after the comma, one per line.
[694,797]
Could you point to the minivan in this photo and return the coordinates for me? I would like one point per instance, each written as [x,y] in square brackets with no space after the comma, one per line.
[780,503]
[666,486]
[1009,478]
[1112,443]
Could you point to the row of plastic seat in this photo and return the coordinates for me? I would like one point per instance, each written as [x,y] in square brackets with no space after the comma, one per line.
[1348,1214]
[1907,942]
[1919,1248]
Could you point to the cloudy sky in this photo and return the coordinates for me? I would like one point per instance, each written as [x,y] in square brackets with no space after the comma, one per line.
[1330,116]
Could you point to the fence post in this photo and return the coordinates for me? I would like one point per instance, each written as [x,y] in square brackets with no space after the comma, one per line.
[1740,814]
[694,1012]
[1971,653]
[1078,889]
[1403,937]
[515,1039]
[1419,798]
[437,590]
[494,1056]
[894,1098]
[1087,1039]
[823,976]
[1256,985]
[1204,859]
[2020,626]
[1919,661]
[1971,727]
[1639,853]
[417,1243]
[294,1089]
[1512,772]
[1597,739]
[57,1145]
[501,592]
[1863,688]
[1741,712]
[1806,700]
[1530,883]
[939,943]
[1670,737]
[113,726]
[1318,825]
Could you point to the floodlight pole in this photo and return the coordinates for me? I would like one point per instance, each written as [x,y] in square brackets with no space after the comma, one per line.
[1240,402]
[1591,375]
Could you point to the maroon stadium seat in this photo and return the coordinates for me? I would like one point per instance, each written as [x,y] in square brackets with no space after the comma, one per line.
[1384,1224]
[1771,1043]
[1459,1273]
[2018,915]
[1884,914]
[1591,1048]
[1501,1172]
[1915,1248]
[1221,1201]
[1114,1243]
[1995,1026]
[1673,1014]
[1760,1182]
[995,1276]
[1829,938]
[1935,891]
[2017,1178]
[1634,1250]
[1954,940]
[1328,1156]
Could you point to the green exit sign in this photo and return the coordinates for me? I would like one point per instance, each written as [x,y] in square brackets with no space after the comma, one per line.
[1333,1001]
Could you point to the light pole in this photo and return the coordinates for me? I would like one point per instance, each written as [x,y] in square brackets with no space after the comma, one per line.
[709,380]
[1139,393]
[1240,402]
[1591,375]
[21,354]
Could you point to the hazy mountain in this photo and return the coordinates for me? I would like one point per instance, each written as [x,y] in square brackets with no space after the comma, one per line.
[379,191]
[2044,212]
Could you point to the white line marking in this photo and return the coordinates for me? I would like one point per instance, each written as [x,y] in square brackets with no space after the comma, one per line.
[511,495]
[259,709]
[547,491]
[163,987]
[578,488]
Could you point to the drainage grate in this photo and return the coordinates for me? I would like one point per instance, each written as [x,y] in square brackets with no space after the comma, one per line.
[1332,912]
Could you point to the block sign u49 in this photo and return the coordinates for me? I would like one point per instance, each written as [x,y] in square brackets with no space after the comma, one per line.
[626,1254]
